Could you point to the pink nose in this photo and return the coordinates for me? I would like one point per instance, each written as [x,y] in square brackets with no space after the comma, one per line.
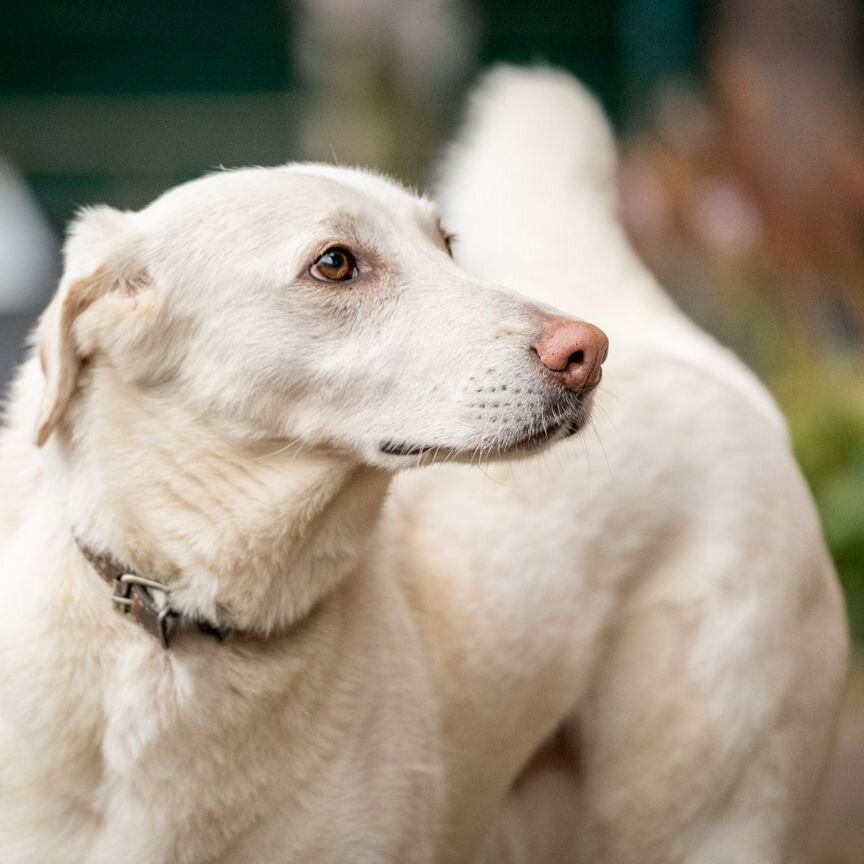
[574,351]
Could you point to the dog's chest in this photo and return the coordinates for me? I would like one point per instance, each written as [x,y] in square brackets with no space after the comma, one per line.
[204,758]
[282,779]
[266,804]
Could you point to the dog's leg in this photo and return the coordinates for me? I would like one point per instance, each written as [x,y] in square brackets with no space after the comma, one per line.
[540,819]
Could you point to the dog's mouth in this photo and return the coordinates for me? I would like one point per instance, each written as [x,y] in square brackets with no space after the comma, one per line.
[527,440]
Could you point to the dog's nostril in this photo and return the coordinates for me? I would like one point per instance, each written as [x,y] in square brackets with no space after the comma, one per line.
[574,349]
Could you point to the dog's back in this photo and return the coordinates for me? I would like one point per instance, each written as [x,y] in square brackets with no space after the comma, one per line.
[666,577]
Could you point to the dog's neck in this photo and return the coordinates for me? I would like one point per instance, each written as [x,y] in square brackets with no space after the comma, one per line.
[252,537]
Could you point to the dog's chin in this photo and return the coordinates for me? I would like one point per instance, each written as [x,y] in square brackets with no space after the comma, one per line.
[513,444]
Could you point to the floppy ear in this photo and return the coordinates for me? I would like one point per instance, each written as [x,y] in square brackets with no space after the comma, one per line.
[93,238]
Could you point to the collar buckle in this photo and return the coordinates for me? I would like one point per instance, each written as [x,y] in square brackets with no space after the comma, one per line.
[146,602]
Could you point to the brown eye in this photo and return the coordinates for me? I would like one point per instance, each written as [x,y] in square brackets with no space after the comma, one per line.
[335,265]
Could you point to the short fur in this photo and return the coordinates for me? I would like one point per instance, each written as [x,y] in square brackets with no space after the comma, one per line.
[658,593]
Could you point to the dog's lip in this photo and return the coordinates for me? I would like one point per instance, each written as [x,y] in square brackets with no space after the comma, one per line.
[391,448]
[570,426]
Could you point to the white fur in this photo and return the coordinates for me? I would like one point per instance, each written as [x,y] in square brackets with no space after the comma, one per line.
[685,607]
[661,589]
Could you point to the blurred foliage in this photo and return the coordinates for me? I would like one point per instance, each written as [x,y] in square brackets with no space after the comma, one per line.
[824,402]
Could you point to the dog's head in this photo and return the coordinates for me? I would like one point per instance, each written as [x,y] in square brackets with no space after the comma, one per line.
[313,305]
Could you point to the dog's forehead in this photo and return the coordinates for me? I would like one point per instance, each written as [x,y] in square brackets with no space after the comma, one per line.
[299,196]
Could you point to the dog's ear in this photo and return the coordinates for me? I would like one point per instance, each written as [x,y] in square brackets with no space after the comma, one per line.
[97,263]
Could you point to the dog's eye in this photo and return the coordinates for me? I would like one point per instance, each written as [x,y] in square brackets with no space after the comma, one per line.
[335,265]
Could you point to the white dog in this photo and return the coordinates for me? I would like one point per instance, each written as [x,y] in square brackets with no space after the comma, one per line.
[228,381]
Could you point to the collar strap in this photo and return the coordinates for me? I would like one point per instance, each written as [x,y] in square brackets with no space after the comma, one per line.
[146,601]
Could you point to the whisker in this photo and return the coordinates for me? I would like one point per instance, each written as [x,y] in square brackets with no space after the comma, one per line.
[279,450]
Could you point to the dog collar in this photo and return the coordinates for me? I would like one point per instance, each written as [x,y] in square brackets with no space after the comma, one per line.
[147,602]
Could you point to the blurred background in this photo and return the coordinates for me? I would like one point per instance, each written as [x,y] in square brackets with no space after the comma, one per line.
[741,125]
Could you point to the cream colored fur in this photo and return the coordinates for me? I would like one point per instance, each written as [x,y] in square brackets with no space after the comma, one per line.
[656,589]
